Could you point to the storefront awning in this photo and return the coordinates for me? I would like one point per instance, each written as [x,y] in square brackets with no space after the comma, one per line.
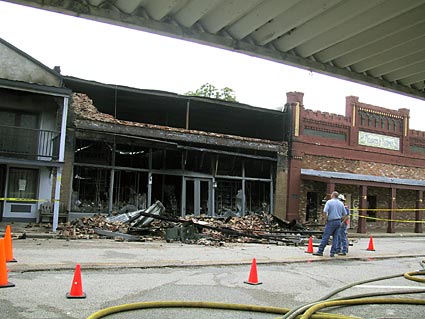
[360,179]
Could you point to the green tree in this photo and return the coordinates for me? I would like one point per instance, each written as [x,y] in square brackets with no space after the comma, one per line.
[209,90]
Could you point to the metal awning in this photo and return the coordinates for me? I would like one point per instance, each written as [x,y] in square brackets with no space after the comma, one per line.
[380,43]
[360,178]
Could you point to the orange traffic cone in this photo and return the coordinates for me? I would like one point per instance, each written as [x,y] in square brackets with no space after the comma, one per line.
[310,246]
[8,250]
[4,282]
[77,285]
[253,277]
[371,247]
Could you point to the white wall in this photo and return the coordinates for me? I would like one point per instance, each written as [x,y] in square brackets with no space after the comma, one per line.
[44,194]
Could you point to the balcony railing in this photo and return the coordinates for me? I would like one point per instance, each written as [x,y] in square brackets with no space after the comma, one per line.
[29,143]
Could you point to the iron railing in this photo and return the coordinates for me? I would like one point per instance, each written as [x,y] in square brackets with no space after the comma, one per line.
[29,143]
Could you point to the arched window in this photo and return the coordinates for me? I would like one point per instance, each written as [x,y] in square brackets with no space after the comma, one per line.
[376,121]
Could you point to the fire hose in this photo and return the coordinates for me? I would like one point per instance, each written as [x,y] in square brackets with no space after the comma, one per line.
[305,312]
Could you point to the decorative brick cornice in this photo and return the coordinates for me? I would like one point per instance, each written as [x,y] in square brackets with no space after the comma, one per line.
[380,113]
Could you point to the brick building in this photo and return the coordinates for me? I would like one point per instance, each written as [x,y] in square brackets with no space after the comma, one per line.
[370,155]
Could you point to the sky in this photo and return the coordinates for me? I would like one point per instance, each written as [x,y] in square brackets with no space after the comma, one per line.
[117,55]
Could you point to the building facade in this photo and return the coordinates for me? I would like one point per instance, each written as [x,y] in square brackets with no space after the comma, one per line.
[120,148]
[33,113]
[370,155]
[128,148]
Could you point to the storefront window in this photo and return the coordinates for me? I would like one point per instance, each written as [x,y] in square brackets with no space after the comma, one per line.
[22,183]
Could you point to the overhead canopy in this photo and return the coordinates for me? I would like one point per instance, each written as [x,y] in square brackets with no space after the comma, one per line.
[361,179]
[380,43]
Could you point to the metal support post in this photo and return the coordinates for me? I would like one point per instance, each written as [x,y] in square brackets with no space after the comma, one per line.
[183,197]
[243,189]
[361,226]
[391,212]
[271,191]
[197,196]
[418,213]
[112,181]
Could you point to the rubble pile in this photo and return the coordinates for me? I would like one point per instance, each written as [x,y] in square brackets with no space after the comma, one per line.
[152,224]
[84,108]
[119,225]
[84,228]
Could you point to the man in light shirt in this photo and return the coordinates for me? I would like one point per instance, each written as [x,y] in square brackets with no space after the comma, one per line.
[335,214]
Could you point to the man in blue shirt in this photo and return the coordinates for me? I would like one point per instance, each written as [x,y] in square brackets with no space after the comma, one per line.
[342,248]
[334,213]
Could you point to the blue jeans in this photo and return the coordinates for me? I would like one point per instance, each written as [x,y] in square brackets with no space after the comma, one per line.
[331,229]
[343,240]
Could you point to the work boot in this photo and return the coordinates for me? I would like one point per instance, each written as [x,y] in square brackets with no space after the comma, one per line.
[317,254]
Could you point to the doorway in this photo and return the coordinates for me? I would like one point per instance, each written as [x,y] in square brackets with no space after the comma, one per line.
[197,196]
[311,209]
[371,205]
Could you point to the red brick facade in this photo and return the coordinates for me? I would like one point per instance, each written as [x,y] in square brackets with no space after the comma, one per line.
[368,140]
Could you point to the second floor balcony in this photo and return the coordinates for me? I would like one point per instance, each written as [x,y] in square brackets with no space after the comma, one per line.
[27,143]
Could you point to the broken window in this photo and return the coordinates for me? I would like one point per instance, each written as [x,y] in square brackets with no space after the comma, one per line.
[131,156]
[226,195]
[229,165]
[130,190]
[257,196]
[93,152]
[90,189]
[168,190]
[197,161]
[257,168]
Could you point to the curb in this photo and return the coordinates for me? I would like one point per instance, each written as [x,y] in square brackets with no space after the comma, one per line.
[23,268]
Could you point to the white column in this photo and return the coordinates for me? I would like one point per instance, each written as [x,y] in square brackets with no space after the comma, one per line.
[62,140]
[63,130]
[56,205]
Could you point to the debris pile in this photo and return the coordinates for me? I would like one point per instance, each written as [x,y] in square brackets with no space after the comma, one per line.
[117,226]
[152,223]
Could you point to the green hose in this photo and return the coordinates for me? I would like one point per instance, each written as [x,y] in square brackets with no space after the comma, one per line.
[299,310]
[357,283]
[206,305]
[363,301]
[412,276]
[308,310]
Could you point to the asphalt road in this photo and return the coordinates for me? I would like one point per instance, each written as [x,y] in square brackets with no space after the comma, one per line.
[41,294]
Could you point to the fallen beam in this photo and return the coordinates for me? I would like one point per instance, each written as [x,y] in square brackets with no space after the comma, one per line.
[112,234]
[224,230]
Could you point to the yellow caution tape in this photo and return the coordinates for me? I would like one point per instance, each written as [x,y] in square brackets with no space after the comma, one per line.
[26,199]
[391,220]
[388,209]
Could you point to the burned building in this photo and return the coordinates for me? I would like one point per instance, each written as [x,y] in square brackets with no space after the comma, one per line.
[128,148]
[120,148]
[370,154]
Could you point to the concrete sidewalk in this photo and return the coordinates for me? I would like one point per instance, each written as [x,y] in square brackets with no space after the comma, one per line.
[53,254]
[45,231]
